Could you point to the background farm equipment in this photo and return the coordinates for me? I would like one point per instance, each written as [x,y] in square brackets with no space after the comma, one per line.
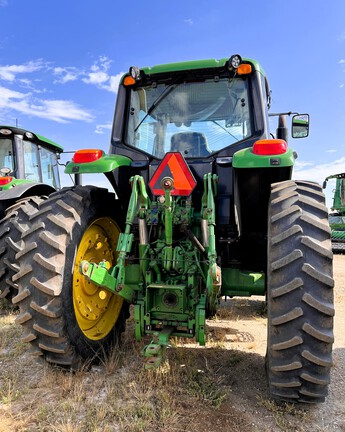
[28,173]
[337,216]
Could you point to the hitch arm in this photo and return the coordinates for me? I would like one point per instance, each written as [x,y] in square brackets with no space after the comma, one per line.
[114,280]
[214,278]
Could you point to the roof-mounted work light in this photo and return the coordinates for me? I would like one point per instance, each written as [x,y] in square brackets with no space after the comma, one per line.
[134,72]
[133,77]
[5,131]
[29,135]
[234,61]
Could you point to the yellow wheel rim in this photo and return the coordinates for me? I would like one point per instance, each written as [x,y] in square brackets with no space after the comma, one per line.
[96,309]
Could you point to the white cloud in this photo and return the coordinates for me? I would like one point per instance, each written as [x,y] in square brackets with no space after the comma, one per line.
[318,173]
[342,63]
[66,74]
[99,72]
[24,95]
[100,128]
[60,111]
[30,86]
[189,21]
[99,76]
[299,165]
[9,72]
[104,63]
[114,82]
[331,151]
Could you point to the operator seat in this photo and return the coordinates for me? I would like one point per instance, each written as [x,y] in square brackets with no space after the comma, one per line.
[190,144]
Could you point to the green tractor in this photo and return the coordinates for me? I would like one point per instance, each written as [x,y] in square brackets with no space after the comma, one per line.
[337,217]
[204,208]
[28,173]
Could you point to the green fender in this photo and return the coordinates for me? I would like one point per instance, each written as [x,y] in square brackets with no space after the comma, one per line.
[247,159]
[106,163]
[16,182]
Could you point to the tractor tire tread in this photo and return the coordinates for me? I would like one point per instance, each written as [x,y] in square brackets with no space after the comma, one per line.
[299,293]
[11,229]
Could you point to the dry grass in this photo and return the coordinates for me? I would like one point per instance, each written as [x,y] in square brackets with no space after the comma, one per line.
[195,388]
[288,417]
[116,395]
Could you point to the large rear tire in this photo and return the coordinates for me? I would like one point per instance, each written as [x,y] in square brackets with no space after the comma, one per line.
[299,293]
[65,318]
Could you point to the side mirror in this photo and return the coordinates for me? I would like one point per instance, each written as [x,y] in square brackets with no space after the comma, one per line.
[300,126]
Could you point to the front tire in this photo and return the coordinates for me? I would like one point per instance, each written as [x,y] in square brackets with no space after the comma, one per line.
[299,293]
[65,318]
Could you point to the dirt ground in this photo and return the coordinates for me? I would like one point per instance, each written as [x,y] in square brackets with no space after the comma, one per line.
[225,389]
[249,403]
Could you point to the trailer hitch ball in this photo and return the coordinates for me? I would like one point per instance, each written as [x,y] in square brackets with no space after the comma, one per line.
[167,183]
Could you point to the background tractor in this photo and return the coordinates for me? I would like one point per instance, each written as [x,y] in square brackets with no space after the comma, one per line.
[337,216]
[28,173]
[191,161]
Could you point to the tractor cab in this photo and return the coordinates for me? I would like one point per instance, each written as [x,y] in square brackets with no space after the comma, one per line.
[206,109]
[212,112]
[26,158]
[195,116]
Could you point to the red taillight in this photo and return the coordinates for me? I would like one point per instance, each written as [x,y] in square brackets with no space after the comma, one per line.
[5,180]
[84,156]
[270,147]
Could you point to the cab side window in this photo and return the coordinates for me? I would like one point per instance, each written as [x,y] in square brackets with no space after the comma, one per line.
[49,168]
[31,167]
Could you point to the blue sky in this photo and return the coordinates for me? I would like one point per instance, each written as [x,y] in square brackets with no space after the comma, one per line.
[60,62]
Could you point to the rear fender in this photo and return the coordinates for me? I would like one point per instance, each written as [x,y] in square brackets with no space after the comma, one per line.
[247,159]
[105,164]
[10,196]
[26,189]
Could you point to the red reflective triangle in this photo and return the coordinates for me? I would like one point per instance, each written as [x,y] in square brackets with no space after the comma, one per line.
[173,165]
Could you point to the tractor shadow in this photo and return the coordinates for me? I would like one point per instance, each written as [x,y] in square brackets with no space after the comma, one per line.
[235,347]
[238,372]
[234,355]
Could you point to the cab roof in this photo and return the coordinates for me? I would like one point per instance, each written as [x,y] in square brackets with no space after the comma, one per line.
[38,139]
[197,64]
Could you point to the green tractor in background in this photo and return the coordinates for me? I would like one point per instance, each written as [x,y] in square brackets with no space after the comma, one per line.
[337,217]
[204,207]
[28,173]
